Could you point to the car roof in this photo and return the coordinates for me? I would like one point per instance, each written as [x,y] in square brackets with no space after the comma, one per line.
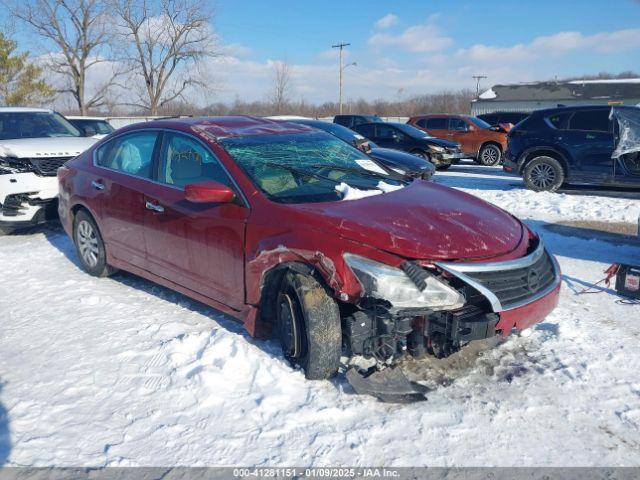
[24,110]
[551,111]
[227,126]
[78,117]
[447,115]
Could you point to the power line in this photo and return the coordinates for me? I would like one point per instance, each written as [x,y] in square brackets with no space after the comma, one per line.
[478,78]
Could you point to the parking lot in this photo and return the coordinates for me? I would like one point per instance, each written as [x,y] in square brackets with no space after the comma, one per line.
[120,371]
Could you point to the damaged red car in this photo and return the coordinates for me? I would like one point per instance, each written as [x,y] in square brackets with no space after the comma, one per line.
[296,233]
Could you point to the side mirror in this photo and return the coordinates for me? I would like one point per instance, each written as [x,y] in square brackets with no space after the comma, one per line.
[208,192]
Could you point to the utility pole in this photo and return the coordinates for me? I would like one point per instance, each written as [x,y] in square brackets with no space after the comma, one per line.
[340,46]
[478,78]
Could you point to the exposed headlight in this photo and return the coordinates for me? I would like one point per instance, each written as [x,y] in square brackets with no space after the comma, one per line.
[436,148]
[392,284]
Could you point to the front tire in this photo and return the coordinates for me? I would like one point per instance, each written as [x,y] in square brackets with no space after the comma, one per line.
[445,166]
[90,246]
[543,174]
[308,324]
[5,231]
[489,155]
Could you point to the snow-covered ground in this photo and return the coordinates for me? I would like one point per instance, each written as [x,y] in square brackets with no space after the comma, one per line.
[122,372]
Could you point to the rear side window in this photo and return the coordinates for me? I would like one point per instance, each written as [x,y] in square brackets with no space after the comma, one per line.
[365,130]
[560,120]
[184,160]
[590,120]
[131,154]
[436,124]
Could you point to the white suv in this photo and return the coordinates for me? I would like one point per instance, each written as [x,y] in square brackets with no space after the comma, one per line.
[34,142]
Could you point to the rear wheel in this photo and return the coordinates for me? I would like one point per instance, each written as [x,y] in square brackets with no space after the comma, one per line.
[89,245]
[309,326]
[543,174]
[489,155]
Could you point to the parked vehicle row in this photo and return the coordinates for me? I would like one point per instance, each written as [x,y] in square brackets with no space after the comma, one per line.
[400,136]
[291,229]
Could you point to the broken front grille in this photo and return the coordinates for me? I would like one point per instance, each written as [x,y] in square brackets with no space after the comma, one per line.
[512,283]
[48,166]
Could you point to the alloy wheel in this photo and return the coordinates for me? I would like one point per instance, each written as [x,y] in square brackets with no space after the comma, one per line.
[490,156]
[87,243]
[543,176]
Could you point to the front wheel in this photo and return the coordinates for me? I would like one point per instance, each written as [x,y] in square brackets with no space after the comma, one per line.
[309,326]
[5,231]
[543,174]
[445,166]
[90,246]
[489,155]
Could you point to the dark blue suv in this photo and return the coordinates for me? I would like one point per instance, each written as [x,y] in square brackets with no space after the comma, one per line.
[583,145]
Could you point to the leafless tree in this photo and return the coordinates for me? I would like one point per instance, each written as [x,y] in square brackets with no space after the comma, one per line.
[164,41]
[80,30]
[282,85]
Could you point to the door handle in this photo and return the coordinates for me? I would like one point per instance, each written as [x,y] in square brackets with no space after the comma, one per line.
[154,207]
[97,185]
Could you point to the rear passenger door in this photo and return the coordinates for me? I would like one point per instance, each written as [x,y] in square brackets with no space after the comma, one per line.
[124,173]
[197,245]
[437,127]
[589,138]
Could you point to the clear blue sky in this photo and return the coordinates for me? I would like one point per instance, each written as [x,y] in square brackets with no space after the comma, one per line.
[410,46]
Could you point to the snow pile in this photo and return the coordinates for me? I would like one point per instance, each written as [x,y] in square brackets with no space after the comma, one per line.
[122,372]
[488,95]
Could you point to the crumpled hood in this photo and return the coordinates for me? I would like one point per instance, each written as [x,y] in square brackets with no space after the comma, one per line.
[423,221]
[45,147]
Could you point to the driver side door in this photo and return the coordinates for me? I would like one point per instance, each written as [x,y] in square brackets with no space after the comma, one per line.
[199,246]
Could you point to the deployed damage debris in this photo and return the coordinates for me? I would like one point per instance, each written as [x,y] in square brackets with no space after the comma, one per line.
[628,141]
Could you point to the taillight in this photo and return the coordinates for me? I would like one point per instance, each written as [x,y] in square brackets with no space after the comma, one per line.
[63,172]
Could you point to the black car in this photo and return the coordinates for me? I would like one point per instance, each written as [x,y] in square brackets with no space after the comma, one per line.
[351,121]
[496,118]
[594,145]
[400,162]
[401,136]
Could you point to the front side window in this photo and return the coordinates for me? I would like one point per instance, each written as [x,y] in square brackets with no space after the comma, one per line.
[412,131]
[184,160]
[366,130]
[305,167]
[385,132]
[15,125]
[458,125]
[591,120]
[131,154]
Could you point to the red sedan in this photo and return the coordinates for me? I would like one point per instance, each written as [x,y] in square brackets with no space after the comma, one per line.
[293,231]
